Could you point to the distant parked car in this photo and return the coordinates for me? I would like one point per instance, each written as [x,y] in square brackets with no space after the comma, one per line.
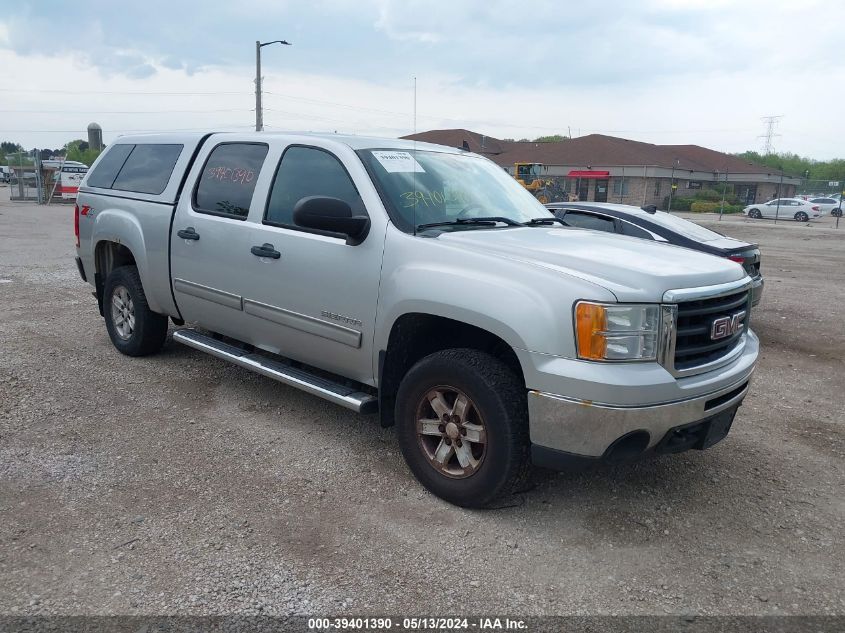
[650,224]
[828,205]
[786,208]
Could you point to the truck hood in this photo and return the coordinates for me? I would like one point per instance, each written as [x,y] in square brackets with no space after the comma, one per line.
[632,269]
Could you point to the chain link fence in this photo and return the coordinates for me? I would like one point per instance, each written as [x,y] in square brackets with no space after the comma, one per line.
[821,188]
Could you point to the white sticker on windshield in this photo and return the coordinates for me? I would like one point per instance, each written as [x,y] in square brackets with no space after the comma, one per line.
[398,162]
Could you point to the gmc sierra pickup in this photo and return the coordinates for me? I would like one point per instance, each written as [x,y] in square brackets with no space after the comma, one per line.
[423,283]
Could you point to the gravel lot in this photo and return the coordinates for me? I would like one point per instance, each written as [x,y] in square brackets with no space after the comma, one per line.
[180,484]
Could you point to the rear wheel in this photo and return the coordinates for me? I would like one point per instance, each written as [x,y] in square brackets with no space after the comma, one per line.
[801,216]
[134,329]
[755,213]
[462,425]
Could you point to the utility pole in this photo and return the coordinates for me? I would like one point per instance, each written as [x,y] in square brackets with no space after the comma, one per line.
[259,113]
[724,192]
[771,123]
[777,206]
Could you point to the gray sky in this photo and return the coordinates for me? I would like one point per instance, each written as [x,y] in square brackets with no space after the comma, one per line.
[662,71]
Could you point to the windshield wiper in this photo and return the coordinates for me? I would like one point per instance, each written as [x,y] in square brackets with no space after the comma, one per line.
[544,221]
[485,221]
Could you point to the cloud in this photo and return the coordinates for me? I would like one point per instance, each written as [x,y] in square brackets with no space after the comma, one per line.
[661,70]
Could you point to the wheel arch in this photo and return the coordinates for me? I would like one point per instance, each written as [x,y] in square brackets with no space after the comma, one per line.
[415,335]
[108,255]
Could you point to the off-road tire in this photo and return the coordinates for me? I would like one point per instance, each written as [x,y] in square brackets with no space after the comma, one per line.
[150,329]
[499,397]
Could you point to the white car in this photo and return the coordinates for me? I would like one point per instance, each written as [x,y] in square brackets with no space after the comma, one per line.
[828,205]
[786,208]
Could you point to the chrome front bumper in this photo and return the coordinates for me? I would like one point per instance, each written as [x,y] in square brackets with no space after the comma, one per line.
[586,429]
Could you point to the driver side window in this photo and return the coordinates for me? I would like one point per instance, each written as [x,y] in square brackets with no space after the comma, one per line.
[308,171]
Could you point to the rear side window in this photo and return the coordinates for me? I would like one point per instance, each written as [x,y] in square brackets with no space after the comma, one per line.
[109,166]
[228,179]
[589,221]
[635,231]
[307,171]
[148,168]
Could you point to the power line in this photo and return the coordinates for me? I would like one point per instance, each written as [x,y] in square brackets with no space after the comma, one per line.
[483,122]
[121,92]
[205,128]
[406,115]
[86,112]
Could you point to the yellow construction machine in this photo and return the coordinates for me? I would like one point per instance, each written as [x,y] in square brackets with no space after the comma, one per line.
[528,175]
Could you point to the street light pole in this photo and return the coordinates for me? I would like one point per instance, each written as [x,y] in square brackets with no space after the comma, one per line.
[259,124]
[259,113]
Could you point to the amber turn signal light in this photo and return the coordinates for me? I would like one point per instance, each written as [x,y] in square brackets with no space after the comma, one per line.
[591,325]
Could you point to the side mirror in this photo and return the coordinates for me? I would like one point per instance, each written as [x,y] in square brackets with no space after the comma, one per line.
[649,208]
[332,215]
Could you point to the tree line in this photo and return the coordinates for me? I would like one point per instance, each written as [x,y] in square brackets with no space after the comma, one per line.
[800,166]
[12,153]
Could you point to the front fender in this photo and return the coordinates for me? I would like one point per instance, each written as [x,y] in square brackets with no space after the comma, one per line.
[528,307]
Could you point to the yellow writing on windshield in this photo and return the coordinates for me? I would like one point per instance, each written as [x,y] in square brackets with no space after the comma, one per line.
[433,198]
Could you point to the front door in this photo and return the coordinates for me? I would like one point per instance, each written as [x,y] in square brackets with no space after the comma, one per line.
[601,190]
[317,301]
[211,236]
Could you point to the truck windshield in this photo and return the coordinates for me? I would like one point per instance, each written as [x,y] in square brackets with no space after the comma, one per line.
[425,187]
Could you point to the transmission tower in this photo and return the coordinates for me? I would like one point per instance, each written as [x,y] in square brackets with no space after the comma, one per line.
[771,123]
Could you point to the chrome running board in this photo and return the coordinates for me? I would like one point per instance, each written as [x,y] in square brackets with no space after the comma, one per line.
[335,392]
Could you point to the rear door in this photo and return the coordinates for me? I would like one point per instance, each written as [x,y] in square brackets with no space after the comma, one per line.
[210,238]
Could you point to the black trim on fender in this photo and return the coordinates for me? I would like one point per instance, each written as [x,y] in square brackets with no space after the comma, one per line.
[99,285]
[81,268]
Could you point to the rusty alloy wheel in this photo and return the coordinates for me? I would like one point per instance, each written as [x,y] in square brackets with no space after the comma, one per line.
[451,432]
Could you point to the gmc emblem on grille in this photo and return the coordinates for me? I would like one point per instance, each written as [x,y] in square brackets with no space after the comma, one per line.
[727,326]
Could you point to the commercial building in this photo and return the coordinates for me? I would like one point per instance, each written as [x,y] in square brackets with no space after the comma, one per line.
[610,169]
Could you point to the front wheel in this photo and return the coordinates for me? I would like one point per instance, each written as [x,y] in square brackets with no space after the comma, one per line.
[755,214]
[801,217]
[462,425]
[134,329]
[836,213]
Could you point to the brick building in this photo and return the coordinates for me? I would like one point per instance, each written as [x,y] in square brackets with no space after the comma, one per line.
[605,168]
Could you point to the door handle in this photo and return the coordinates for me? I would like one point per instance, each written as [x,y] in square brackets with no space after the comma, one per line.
[188,234]
[265,250]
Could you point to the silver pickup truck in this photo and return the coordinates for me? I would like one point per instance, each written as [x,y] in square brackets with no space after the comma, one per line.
[424,284]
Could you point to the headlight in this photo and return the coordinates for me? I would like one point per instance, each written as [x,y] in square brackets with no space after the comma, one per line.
[616,331]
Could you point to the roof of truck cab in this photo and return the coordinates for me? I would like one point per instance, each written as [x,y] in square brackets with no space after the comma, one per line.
[351,140]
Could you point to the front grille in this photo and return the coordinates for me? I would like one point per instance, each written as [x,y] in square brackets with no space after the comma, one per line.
[693,343]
